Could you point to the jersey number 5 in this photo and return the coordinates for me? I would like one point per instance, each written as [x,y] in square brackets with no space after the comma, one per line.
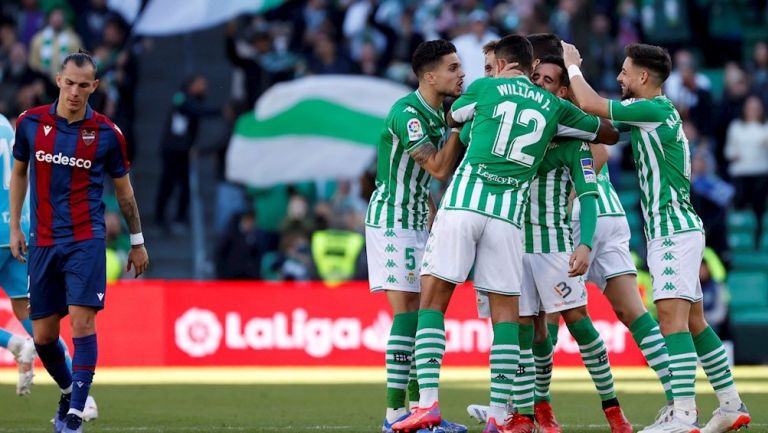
[513,151]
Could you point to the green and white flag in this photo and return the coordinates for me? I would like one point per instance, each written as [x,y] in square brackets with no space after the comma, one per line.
[319,127]
[171,17]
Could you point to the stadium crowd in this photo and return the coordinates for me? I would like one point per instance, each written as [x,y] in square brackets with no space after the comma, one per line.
[313,230]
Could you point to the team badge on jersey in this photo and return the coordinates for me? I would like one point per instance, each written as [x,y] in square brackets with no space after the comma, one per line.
[415,131]
[88,136]
[588,168]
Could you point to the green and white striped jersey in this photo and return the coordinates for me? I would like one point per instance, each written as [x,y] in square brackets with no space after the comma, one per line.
[567,165]
[402,186]
[663,161]
[513,121]
[608,203]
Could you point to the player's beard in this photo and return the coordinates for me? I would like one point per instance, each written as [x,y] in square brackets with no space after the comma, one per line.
[627,93]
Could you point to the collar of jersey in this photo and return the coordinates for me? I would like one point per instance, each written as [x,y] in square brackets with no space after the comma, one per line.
[88,111]
[424,103]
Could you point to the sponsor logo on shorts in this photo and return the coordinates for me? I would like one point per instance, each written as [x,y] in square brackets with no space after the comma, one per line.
[668,257]
[100,296]
[391,264]
[668,271]
[563,289]
[390,234]
[391,279]
[669,287]
[390,248]
[668,243]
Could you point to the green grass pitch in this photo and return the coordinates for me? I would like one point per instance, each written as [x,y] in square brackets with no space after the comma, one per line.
[309,408]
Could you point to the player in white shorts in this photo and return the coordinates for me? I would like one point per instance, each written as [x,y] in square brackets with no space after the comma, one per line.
[410,153]
[674,232]
[480,218]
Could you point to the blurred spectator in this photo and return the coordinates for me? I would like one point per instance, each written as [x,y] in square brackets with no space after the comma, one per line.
[629,23]
[712,277]
[326,58]
[240,249]
[29,21]
[51,44]
[710,195]
[15,75]
[90,21]
[758,67]
[294,260]
[602,56]
[730,108]
[261,63]
[469,46]
[7,39]
[747,150]
[665,22]
[181,129]
[689,91]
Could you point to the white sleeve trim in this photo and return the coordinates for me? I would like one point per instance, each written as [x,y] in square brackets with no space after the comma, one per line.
[567,131]
[465,113]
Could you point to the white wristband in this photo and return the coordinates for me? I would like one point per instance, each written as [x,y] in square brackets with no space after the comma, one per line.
[573,71]
[137,239]
[456,130]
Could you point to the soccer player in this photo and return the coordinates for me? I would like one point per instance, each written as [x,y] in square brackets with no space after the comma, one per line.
[480,218]
[551,261]
[67,149]
[410,153]
[674,232]
[13,276]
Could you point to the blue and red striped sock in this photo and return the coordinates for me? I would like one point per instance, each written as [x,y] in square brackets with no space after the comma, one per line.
[83,368]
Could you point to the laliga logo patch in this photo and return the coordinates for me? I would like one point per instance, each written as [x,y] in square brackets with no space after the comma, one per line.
[588,169]
[88,136]
[414,129]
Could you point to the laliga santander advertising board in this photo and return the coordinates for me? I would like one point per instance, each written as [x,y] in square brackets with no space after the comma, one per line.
[185,323]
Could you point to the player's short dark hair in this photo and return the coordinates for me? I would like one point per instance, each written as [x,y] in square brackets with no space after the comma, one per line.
[558,61]
[490,46]
[654,58]
[545,44]
[428,54]
[80,59]
[516,49]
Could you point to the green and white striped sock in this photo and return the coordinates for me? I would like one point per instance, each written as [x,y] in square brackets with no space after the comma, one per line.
[713,358]
[399,357]
[430,348]
[682,366]
[526,374]
[413,386]
[542,359]
[645,331]
[595,356]
[505,352]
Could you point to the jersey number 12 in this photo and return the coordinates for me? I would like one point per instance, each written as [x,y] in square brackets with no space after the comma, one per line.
[513,150]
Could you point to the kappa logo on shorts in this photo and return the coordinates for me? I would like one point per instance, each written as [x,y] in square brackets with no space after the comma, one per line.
[668,257]
[668,271]
[390,248]
[391,264]
[390,234]
[668,243]
[669,287]
[391,279]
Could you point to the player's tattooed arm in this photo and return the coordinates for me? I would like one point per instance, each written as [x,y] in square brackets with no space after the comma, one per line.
[127,202]
[439,163]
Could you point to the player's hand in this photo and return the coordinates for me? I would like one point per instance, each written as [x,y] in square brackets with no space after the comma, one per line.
[571,55]
[138,258]
[510,71]
[18,245]
[579,261]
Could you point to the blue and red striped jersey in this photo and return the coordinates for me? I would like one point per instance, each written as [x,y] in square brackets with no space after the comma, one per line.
[67,163]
